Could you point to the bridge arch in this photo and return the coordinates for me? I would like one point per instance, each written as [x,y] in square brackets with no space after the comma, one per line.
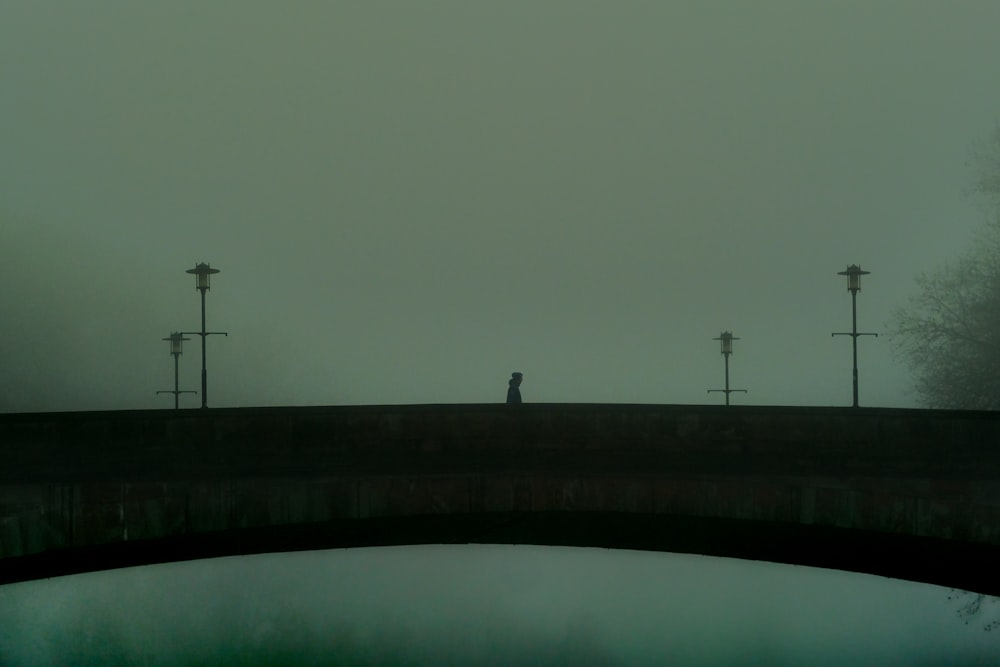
[912,494]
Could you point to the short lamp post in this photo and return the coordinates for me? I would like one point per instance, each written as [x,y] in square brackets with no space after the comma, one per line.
[727,349]
[176,344]
[854,274]
[202,273]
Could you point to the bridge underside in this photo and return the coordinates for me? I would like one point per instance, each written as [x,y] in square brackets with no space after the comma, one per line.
[950,563]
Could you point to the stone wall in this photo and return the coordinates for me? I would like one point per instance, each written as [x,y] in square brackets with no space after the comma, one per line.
[74,481]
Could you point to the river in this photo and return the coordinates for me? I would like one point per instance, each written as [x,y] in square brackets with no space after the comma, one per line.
[487,605]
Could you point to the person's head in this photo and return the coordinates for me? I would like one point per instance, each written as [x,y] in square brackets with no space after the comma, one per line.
[515,379]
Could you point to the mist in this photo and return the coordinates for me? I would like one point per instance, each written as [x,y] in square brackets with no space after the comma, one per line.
[409,201]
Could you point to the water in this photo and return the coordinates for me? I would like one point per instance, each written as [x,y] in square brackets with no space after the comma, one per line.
[486,605]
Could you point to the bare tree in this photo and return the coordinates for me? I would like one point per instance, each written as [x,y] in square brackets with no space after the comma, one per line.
[949,332]
[971,606]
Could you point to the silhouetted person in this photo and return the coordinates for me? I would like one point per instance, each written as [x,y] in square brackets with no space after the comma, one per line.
[513,391]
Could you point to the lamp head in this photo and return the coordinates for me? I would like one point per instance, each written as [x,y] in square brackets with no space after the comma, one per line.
[727,339]
[176,343]
[202,273]
[853,274]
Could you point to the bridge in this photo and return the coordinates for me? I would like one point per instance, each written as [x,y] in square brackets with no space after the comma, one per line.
[909,494]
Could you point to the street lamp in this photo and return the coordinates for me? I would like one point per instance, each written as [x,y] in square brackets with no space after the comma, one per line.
[176,343]
[727,349]
[203,273]
[854,274]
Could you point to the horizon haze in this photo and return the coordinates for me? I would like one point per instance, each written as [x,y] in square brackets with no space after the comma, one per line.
[409,201]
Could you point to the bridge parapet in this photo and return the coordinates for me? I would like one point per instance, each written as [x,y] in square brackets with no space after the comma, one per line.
[193,444]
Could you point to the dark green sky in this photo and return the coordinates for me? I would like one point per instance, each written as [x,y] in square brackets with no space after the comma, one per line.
[410,200]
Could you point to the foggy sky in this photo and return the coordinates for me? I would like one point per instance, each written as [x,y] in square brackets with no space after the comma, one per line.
[408,201]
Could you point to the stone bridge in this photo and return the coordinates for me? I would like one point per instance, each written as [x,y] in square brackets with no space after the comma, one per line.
[910,494]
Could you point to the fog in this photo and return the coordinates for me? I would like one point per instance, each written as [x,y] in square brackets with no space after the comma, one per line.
[483,605]
[408,201]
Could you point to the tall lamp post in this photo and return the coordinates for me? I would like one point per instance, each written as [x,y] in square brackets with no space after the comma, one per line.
[854,274]
[727,349]
[202,273]
[176,341]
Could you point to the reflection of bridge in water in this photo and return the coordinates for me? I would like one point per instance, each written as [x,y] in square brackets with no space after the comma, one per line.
[911,494]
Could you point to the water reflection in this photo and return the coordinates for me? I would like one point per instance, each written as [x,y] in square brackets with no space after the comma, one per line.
[483,605]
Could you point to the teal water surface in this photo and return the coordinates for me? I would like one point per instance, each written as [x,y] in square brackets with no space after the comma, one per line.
[486,605]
